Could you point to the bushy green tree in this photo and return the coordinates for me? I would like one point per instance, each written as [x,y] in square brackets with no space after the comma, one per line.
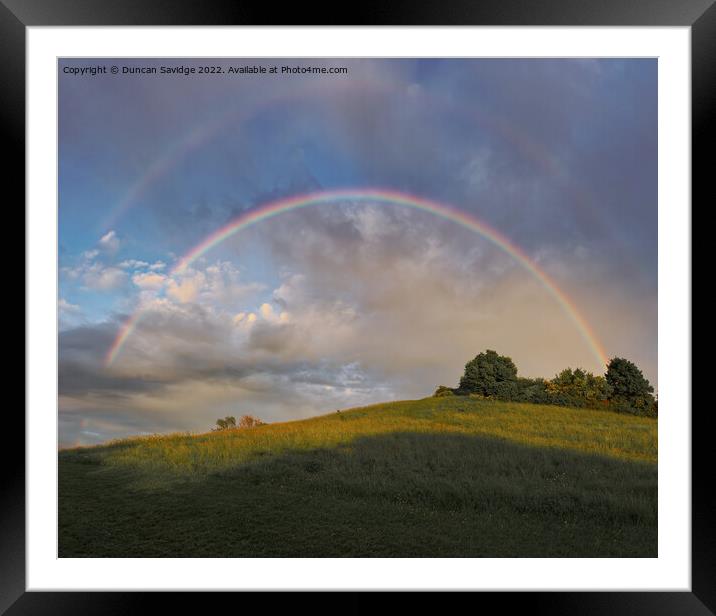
[631,391]
[489,374]
[626,380]
[532,390]
[579,388]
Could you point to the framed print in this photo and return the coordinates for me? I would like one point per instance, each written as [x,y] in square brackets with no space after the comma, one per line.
[403,304]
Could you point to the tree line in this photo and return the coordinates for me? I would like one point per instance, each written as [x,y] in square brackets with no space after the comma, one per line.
[623,388]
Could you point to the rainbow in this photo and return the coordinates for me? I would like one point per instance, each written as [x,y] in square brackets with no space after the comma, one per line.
[124,332]
[206,130]
[392,197]
[175,152]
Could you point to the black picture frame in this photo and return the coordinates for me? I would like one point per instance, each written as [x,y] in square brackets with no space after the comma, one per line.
[17,15]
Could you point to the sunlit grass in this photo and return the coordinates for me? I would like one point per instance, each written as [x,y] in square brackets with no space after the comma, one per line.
[492,478]
[599,432]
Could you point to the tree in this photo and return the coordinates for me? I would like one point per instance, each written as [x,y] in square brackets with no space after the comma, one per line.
[532,390]
[489,374]
[626,380]
[249,421]
[227,423]
[632,393]
[579,388]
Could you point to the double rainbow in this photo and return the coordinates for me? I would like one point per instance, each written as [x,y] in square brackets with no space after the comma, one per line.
[389,197]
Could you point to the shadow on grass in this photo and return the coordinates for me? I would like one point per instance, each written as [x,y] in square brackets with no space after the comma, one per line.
[401,494]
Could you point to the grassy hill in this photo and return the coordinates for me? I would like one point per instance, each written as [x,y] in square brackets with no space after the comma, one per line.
[437,477]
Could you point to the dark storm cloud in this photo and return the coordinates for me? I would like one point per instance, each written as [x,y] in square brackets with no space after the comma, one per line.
[81,364]
[564,149]
[272,338]
[193,351]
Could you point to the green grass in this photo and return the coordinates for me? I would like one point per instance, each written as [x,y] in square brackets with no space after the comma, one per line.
[438,477]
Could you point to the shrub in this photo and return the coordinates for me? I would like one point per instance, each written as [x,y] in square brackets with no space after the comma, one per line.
[506,390]
[533,391]
[443,391]
[245,421]
[645,406]
[249,421]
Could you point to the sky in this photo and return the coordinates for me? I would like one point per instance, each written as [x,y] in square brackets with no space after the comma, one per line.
[348,301]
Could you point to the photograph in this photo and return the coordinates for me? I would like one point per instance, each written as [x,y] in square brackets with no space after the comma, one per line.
[347,307]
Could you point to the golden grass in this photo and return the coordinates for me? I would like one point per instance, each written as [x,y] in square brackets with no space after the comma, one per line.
[604,433]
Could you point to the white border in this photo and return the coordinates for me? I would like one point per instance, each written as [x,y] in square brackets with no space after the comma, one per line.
[670,571]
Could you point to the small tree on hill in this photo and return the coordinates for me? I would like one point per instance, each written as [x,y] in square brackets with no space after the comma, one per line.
[626,380]
[489,374]
[249,421]
[632,393]
[442,391]
[225,424]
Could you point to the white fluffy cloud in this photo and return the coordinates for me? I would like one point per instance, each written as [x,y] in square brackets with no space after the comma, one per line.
[133,264]
[109,241]
[137,264]
[394,294]
[94,270]
[66,307]
[187,289]
[96,276]
[149,280]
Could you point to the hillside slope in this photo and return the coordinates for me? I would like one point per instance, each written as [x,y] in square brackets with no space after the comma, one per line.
[434,477]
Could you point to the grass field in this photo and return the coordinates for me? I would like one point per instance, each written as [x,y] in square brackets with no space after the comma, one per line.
[438,477]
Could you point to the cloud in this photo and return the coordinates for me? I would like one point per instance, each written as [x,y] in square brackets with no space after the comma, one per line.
[149,280]
[476,172]
[218,283]
[93,271]
[133,264]
[266,311]
[67,308]
[136,264]
[109,241]
[104,278]
[69,315]
[96,276]
[187,289]
[241,318]
[185,366]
